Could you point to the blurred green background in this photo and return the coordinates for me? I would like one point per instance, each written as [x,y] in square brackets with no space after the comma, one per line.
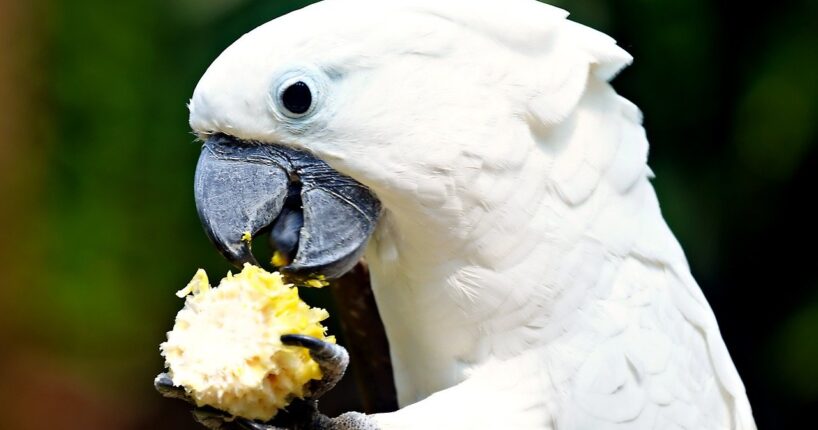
[99,227]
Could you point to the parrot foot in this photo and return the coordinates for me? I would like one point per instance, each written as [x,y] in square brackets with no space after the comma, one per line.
[301,414]
[164,385]
[332,359]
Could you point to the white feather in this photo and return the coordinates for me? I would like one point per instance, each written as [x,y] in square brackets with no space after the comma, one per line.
[524,272]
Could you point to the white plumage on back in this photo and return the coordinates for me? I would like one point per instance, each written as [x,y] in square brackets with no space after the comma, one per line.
[523,270]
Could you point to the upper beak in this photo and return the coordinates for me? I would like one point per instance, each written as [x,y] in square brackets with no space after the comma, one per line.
[319,219]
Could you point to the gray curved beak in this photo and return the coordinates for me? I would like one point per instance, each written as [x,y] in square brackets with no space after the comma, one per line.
[318,218]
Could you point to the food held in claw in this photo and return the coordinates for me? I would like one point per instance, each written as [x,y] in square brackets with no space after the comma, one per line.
[225,348]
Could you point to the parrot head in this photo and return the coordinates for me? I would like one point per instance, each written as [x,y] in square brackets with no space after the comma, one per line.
[319,124]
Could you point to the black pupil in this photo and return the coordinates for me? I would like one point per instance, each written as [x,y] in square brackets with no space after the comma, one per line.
[297,98]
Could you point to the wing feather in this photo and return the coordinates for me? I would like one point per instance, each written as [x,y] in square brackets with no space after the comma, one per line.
[665,364]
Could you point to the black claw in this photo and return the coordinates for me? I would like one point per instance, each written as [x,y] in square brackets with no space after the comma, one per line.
[164,385]
[331,358]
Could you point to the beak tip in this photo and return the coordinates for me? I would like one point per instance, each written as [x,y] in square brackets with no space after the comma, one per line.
[238,254]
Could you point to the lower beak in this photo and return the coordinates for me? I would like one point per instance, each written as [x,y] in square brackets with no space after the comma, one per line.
[319,219]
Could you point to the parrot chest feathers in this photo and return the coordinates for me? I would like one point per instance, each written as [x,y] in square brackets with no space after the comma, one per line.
[617,326]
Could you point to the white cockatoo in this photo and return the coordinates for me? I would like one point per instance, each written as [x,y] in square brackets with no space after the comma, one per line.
[476,154]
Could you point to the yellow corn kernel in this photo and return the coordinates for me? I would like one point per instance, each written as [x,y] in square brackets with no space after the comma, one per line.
[279,259]
[247,237]
[225,348]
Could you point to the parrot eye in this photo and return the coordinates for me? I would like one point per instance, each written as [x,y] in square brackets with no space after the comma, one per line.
[297,98]
[296,94]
